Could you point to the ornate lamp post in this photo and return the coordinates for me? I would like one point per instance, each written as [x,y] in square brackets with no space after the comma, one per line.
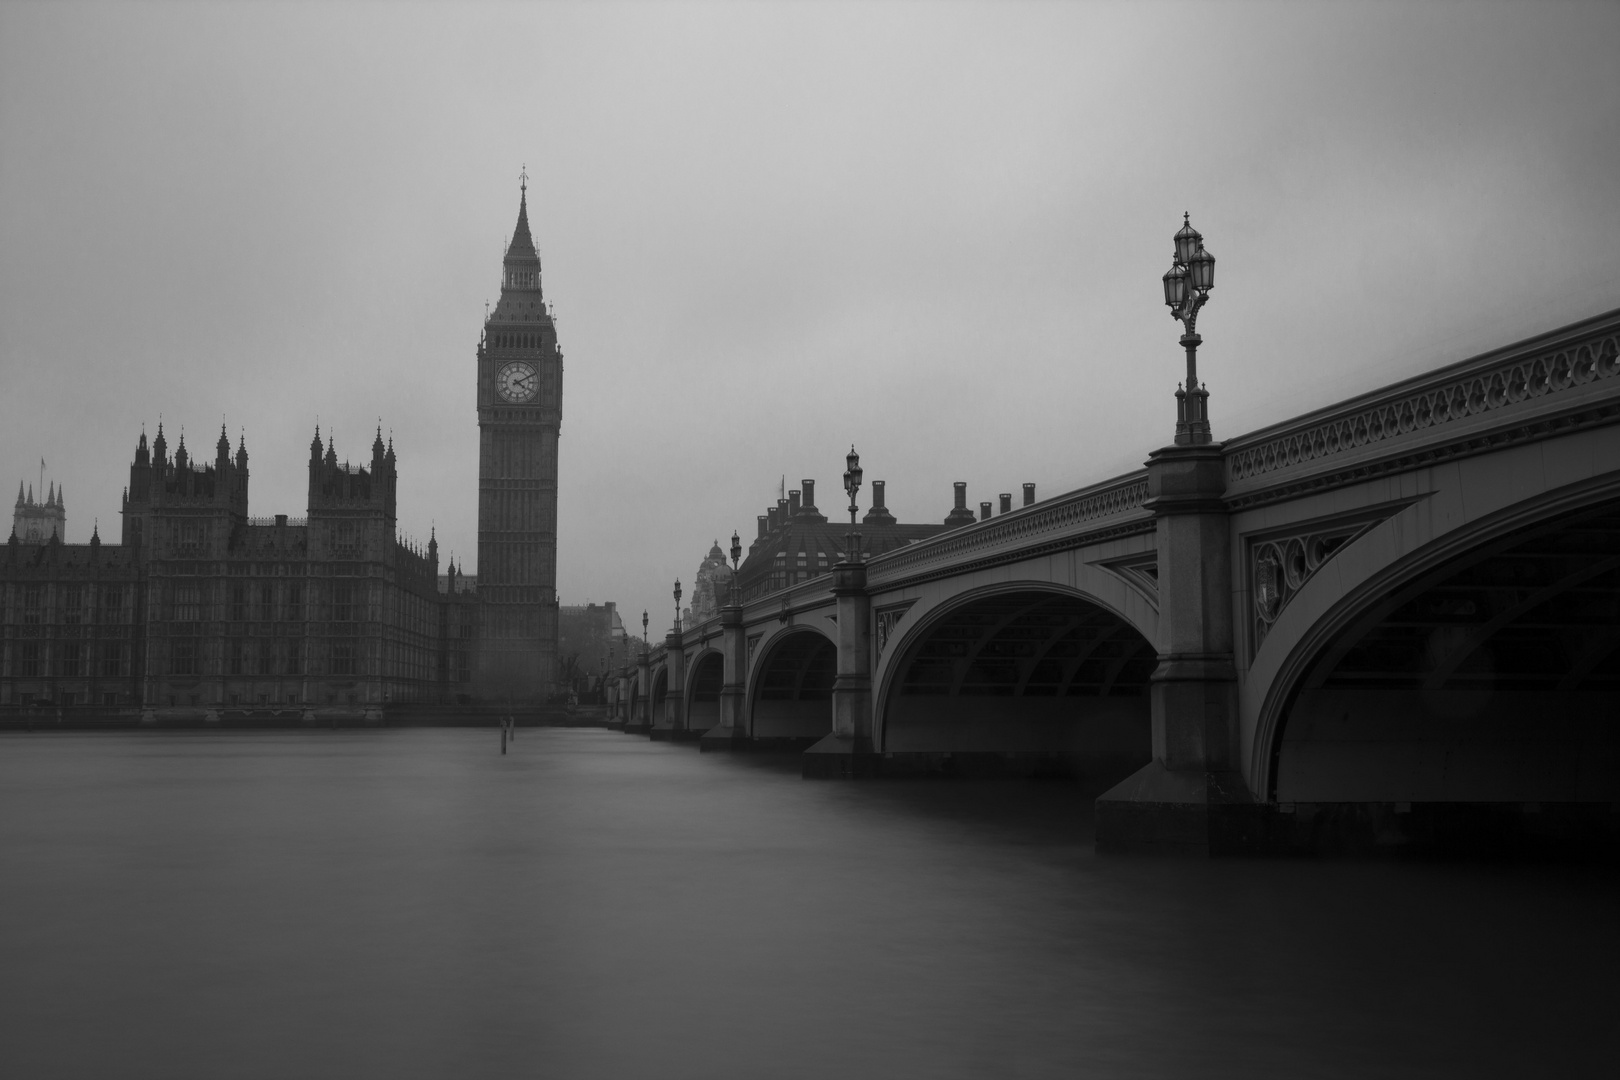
[1186,289]
[645,645]
[852,484]
[677,605]
[736,557]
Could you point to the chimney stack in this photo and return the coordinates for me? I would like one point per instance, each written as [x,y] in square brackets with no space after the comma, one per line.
[793,504]
[1029,494]
[764,526]
[1006,502]
[879,514]
[960,514]
[773,517]
[984,511]
[809,501]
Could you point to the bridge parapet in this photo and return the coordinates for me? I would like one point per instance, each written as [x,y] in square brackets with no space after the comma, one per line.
[1060,522]
[1538,387]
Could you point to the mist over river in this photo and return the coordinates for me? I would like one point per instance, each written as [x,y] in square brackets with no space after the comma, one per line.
[410,903]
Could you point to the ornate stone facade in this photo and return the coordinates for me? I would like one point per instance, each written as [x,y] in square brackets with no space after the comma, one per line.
[203,609]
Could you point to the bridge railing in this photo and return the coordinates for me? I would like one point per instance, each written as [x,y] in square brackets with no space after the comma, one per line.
[1563,378]
[1023,530]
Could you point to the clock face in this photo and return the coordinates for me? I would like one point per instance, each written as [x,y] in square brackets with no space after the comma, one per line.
[517,381]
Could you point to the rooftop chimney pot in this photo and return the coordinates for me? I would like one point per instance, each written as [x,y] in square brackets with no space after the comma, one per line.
[1029,494]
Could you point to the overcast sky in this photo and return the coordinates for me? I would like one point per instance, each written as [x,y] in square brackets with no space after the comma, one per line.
[769,230]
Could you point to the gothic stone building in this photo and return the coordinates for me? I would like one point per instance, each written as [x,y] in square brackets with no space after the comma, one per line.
[203,608]
[520,367]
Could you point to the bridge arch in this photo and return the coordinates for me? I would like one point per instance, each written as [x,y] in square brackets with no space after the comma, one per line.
[1483,666]
[790,689]
[704,677]
[1020,668]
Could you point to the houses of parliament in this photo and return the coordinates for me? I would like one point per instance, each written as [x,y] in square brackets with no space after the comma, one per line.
[201,611]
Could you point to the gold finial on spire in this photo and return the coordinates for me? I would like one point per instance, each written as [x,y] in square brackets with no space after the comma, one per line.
[523,179]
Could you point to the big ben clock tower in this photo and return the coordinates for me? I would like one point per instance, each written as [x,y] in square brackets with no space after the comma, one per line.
[519,418]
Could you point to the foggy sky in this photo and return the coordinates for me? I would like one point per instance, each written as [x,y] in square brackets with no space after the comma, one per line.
[769,231]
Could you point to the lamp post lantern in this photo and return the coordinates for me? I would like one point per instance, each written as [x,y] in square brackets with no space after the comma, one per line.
[645,645]
[852,484]
[736,557]
[677,605]
[1186,290]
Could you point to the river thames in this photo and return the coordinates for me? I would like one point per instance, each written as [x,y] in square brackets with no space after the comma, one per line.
[413,904]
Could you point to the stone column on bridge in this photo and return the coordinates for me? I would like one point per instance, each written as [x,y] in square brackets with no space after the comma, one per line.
[848,751]
[1178,801]
[732,731]
[675,694]
[643,720]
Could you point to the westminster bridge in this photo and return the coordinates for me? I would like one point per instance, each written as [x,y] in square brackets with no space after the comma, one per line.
[1380,620]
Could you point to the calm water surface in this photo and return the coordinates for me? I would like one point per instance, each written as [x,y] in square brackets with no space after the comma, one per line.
[413,904]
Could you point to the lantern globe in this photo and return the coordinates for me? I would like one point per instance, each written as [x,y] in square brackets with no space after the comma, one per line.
[1202,271]
[1175,286]
[1188,241]
[736,547]
[677,590]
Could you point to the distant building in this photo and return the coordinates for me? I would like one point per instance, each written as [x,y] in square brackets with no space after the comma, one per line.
[35,523]
[590,639]
[711,587]
[796,542]
[202,606]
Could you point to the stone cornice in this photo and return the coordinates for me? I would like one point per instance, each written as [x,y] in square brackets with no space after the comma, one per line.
[1535,388]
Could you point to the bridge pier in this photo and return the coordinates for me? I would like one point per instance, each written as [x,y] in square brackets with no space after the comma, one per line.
[1183,800]
[638,714]
[847,751]
[674,726]
[731,733]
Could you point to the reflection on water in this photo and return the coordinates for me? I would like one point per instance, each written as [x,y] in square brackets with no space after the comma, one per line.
[413,904]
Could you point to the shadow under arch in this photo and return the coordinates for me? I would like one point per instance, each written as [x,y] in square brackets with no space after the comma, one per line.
[1021,669]
[635,701]
[1485,669]
[790,693]
[707,675]
[658,714]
